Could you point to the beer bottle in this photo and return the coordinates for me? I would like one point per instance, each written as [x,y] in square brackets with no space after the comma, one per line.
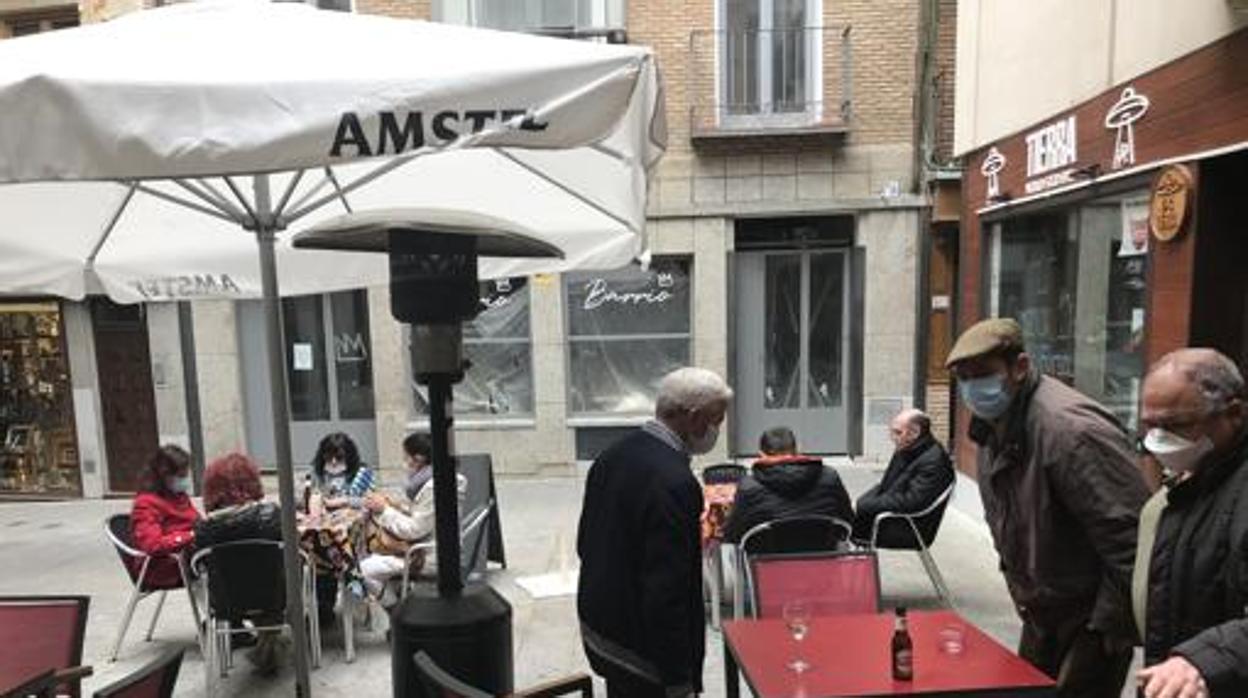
[903,648]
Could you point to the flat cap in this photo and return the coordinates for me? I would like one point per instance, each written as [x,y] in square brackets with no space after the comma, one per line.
[986,337]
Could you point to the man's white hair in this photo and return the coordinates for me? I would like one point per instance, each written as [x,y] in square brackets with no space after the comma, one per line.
[690,388]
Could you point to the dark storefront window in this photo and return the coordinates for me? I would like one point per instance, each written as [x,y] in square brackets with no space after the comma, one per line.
[499,350]
[38,448]
[1075,279]
[627,328]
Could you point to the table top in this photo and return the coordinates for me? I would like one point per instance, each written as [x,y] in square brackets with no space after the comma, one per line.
[851,656]
[343,517]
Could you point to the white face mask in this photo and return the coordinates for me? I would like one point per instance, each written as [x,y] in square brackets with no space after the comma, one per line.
[1175,453]
[335,467]
[703,444]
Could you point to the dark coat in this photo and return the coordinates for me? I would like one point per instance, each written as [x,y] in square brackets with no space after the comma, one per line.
[1198,576]
[785,486]
[915,477]
[1062,497]
[253,520]
[640,586]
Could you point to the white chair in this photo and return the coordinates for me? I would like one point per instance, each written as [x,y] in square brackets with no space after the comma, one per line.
[922,546]
[137,562]
[469,558]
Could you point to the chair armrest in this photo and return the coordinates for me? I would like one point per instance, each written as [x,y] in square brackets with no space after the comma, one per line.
[560,687]
[73,673]
[417,547]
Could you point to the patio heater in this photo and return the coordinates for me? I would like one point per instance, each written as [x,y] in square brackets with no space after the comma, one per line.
[434,287]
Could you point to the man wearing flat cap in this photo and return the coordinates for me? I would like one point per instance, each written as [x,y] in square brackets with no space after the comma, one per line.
[1062,496]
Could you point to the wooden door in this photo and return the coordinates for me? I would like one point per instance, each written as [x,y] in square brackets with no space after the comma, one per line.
[127,400]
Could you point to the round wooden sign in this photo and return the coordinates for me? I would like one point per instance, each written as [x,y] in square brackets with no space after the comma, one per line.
[1170,205]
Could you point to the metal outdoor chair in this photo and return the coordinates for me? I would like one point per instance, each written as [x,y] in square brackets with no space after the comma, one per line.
[152,680]
[245,580]
[440,683]
[918,531]
[797,534]
[718,481]
[472,547]
[832,583]
[136,562]
[45,632]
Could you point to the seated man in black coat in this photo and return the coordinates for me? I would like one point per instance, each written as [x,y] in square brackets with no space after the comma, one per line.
[783,484]
[919,471]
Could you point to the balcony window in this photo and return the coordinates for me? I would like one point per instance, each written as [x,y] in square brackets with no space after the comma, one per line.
[573,17]
[763,69]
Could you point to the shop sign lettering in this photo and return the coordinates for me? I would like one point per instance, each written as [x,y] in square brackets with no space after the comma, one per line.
[1049,150]
[350,348]
[599,294]
[397,132]
[187,286]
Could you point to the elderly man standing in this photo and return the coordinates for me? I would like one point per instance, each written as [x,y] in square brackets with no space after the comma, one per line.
[640,592]
[1062,496]
[1191,584]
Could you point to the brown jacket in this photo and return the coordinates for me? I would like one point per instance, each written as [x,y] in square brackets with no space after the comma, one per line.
[1062,496]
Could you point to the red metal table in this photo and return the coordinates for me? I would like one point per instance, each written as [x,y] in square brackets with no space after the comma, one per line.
[851,657]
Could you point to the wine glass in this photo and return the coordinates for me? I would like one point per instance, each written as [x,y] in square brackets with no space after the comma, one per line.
[797,619]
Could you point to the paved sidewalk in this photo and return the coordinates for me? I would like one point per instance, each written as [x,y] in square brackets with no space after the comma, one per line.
[50,548]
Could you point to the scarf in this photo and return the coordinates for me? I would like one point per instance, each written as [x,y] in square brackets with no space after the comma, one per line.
[417,480]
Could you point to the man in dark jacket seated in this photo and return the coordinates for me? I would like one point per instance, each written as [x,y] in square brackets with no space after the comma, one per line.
[784,484]
[917,474]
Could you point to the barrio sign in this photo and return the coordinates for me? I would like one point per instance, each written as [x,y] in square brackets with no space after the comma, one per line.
[1050,149]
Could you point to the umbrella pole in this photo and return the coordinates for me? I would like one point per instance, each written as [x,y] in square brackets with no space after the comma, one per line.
[266,237]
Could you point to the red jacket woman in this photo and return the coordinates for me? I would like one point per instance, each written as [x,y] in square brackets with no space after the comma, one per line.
[163,518]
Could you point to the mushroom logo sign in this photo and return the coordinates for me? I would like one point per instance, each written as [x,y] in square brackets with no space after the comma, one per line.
[1129,109]
[991,168]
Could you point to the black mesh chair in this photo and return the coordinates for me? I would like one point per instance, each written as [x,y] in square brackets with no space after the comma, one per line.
[246,581]
[797,534]
[136,563]
[152,680]
[723,474]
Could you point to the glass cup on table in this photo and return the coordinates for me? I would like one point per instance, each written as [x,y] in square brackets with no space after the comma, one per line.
[951,639]
[796,615]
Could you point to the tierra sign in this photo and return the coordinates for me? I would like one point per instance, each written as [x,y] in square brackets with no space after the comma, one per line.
[1170,205]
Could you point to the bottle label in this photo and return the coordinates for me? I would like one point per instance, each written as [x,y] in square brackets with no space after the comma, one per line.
[903,664]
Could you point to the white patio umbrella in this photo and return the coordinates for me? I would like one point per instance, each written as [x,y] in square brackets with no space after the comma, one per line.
[142,157]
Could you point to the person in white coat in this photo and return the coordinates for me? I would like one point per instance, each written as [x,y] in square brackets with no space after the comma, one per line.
[402,520]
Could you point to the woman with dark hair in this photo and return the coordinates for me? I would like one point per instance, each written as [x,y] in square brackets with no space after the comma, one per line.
[338,475]
[162,518]
[396,520]
[233,498]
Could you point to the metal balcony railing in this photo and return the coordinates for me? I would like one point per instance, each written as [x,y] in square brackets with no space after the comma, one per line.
[770,82]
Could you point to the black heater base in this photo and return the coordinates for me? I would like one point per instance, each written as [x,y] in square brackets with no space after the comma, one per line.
[468,636]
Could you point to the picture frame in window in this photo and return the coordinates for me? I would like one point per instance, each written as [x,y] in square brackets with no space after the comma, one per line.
[17,439]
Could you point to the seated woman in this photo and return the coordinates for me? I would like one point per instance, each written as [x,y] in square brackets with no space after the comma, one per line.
[162,518]
[337,474]
[233,499]
[398,521]
[338,479]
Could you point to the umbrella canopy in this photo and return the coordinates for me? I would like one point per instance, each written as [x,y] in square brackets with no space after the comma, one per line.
[150,137]
[135,154]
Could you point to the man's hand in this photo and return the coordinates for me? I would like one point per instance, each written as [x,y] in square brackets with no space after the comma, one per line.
[375,503]
[1173,678]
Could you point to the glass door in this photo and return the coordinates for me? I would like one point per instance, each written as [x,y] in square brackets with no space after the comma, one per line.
[792,353]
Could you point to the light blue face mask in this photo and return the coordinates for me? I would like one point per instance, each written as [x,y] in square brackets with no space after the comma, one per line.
[179,485]
[986,396]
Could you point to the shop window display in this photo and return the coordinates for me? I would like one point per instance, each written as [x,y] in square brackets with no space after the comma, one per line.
[38,451]
[1075,279]
[627,328]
